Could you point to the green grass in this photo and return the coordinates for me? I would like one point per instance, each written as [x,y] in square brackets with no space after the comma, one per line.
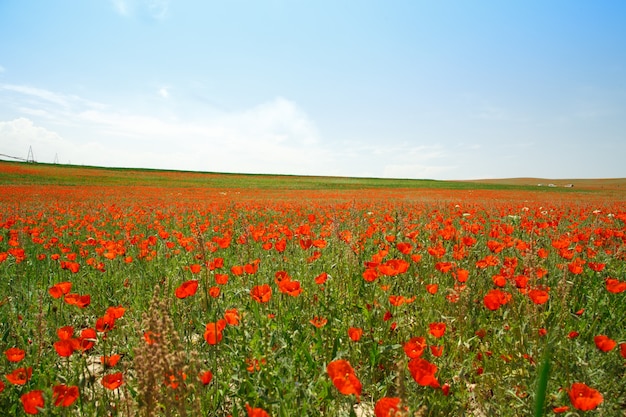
[21,173]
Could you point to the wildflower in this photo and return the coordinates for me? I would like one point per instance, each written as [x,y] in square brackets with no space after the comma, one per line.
[110,361]
[622,349]
[112,381]
[615,286]
[60,289]
[213,332]
[206,377]
[195,269]
[538,296]
[214,292]
[186,289]
[562,409]
[355,333]
[387,407]
[432,288]
[494,299]
[221,279]
[318,322]
[290,287]
[437,329]
[87,339]
[583,397]
[415,347]
[321,278]
[232,317]
[64,395]
[32,401]
[254,364]
[343,377]
[256,412]
[261,293]
[14,354]
[423,372]
[436,351]
[604,343]
[19,376]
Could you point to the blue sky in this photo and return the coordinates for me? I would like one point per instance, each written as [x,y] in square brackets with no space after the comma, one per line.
[398,89]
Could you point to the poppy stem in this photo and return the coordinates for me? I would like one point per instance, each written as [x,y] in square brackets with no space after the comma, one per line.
[542,385]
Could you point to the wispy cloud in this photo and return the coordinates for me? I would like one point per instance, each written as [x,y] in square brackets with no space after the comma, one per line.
[154,9]
[274,137]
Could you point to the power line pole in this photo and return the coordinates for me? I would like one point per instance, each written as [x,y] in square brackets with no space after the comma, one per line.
[30,157]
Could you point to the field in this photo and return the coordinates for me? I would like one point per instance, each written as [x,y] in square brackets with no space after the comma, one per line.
[141,292]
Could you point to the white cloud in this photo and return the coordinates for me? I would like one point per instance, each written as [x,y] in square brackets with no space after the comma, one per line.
[154,9]
[163,92]
[21,134]
[273,137]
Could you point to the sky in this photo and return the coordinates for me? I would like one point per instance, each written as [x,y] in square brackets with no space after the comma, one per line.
[363,88]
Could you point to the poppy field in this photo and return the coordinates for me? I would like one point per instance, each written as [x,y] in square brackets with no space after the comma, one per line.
[173,298]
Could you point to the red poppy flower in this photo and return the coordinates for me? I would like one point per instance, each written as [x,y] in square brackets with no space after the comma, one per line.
[221,279]
[19,376]
[437,329]
[64,395]
[65,347]
[289,287]
[214,292]
[105,323]
[321,278]
[206,377]
[87,339]
[256,412]
[150,337]
[232,317]
[461,275]
[562,409]
[496,298]
[622,350]
[116,312]
[186,289]
[539,296]
[110,361]
[583,397]
[32,401]
[261,293]
[60,289]
[387,407]
[393,267]
[14,354]
[604,343]
[615,286]
[343,377]
[423,372]
[213,332]
[436,351]
[195,268]
[355,333]
[404,248]
[318,322]
[113,381]
[432,288]
[415,347]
